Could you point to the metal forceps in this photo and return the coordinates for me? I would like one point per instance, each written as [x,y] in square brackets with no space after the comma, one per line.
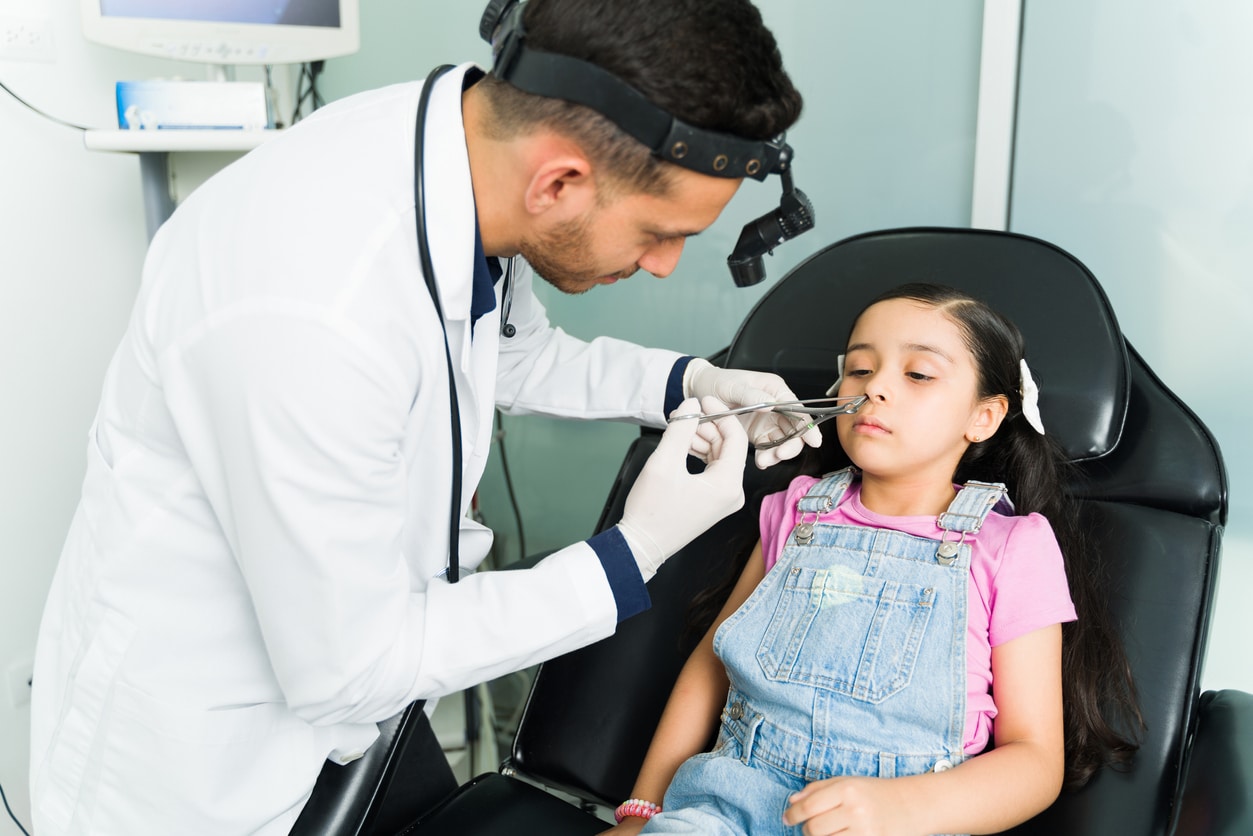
[817,414]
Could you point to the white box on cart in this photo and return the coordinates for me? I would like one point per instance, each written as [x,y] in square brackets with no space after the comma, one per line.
[191,105]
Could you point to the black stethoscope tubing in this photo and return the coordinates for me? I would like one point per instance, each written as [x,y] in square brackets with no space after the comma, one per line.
[428,273]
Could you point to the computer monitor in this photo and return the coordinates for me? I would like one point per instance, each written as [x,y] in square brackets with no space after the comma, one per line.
[226,31]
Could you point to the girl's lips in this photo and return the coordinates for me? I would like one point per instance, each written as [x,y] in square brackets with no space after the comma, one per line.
[869,425]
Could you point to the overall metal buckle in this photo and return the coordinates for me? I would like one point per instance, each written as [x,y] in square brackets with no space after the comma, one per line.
[947,552]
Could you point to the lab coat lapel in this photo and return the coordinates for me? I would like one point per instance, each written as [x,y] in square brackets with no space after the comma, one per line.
[449,198]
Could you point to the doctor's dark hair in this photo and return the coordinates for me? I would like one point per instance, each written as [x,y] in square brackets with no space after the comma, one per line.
[1102,717]
[711,63]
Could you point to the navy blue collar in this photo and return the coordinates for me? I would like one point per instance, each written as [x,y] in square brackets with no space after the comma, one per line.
[487,271]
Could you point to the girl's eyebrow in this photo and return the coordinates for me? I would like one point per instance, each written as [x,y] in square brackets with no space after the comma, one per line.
[908,347]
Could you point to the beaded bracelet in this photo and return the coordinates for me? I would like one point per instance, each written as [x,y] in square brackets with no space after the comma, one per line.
[636,807]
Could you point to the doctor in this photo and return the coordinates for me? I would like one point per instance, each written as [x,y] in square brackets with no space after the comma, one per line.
[255,575]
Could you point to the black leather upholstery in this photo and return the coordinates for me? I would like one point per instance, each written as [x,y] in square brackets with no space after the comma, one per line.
[496,804]
[1155,499]
[1220,769]
[402,775]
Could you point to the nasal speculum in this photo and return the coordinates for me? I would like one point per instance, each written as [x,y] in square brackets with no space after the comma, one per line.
[817,410]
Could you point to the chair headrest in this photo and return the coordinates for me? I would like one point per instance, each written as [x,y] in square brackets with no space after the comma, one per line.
[1074,345]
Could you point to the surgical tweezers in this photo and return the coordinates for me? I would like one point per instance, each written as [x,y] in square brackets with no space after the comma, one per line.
[844,405]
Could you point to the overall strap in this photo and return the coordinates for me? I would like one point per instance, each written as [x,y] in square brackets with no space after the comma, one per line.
[971,506]
[819,499]
[826,493]
[965,515]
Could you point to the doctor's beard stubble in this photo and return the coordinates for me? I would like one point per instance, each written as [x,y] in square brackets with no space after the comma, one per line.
[563,258]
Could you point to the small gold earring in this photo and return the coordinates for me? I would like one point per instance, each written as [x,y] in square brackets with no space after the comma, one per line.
[976,439]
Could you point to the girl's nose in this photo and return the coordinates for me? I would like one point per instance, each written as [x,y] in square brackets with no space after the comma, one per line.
[877,389]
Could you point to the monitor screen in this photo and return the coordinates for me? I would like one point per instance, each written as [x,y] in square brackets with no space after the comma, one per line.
[226,31]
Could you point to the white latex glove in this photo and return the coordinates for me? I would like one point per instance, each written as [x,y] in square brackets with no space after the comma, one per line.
[668,507]
[736,387]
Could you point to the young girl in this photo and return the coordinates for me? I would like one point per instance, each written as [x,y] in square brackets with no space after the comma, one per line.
[892,622]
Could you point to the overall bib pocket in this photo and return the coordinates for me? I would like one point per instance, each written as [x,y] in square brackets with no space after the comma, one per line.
[854,635]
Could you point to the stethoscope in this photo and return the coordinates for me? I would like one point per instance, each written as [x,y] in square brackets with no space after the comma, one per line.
[428,273]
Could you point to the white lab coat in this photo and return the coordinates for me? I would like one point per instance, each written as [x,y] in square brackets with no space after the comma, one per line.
[250,581]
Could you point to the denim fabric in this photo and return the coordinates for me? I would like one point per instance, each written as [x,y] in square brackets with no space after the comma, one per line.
[848,659]
[724,793]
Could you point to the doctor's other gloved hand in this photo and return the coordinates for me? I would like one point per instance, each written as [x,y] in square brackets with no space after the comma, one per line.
[669,507]
[736,387]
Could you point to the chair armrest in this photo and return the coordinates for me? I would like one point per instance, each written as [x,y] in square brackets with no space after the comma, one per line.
[495,805]
[1217,797]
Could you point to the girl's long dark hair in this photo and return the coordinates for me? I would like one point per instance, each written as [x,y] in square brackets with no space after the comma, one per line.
[1102,715]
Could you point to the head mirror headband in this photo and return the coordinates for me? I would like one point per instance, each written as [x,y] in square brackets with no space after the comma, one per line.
[704,151]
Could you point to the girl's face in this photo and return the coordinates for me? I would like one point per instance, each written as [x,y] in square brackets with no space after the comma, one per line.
[924,407]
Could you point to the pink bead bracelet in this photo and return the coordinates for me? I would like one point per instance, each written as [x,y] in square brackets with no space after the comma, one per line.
[635,807]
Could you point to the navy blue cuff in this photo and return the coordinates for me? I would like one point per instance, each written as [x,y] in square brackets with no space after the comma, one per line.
[674,385]
[629,592]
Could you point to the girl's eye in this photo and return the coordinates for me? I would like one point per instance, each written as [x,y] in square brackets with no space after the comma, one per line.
[918,376]
[856,372]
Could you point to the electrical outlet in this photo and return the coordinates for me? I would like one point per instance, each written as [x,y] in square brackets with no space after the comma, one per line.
[18,677]
[25,39]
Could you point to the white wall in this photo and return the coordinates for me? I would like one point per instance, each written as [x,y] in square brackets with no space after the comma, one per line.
[72,240]
[1135,153]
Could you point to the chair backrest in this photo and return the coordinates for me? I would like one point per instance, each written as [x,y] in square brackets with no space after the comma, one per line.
[1154,495]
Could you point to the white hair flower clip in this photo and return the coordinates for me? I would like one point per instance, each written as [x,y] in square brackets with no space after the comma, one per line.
[834,389]
[1030,398]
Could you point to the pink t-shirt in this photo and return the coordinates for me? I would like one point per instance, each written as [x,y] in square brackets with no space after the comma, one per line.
[1018,581]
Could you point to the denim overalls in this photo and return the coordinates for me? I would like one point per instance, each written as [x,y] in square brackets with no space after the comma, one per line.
[849,658]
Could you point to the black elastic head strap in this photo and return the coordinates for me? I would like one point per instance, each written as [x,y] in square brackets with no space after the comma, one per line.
[571,79]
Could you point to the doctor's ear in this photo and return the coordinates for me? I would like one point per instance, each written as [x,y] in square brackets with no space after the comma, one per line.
[563,182]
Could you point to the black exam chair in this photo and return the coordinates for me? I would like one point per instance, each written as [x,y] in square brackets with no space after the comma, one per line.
[1154,496]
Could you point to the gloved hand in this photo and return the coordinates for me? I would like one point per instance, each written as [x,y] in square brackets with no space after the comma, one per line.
[736,387]
[668,507]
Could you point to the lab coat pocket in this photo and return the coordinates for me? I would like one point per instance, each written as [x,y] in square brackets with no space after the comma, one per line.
[223,769]
[63,781]
[109,510]
[99,448]
[98,481]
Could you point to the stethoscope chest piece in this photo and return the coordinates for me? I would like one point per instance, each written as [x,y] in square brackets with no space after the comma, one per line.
[507,330]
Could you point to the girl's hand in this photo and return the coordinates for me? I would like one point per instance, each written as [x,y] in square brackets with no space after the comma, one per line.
[852,807]
[629,827]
